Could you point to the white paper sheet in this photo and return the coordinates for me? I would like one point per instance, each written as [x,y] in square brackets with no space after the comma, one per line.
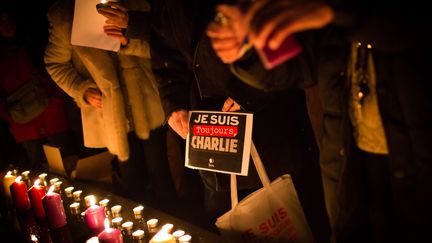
[87,28]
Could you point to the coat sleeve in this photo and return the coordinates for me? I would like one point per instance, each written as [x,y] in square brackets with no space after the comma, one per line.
[58,56]
[173,76]
[138,33]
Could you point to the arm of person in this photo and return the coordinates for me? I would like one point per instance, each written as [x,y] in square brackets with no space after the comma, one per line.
[247,66]
[130,25]
[174,80]
[58,57]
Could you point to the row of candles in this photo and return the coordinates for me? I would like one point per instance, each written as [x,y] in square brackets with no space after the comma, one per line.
[49,205]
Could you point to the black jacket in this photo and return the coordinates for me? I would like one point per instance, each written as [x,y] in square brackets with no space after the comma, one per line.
[397,31]
[191,76]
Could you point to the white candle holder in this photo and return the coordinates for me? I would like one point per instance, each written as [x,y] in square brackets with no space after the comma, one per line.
[53,181]
[138,235]
[178,233]
[116,211]
[185,239]
[77,195]
[68,191]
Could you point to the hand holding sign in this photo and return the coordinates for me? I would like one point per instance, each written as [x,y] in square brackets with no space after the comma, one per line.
[178,121]
[219,141]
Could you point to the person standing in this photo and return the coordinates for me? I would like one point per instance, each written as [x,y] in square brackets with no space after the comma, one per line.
[119,102]
[24,76]
[372,62]
[191,76]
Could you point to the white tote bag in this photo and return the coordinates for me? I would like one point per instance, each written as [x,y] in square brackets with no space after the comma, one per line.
[270,214]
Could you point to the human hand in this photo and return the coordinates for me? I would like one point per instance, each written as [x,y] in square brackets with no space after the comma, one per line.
[227,35]
[276,20]
[230,105]
[93,96]
[116,14]
[178,121]
[116,32]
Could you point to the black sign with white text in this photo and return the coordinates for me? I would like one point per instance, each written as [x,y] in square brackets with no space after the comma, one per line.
[219,141]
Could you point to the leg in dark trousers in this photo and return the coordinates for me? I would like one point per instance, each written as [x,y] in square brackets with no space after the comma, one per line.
[133,172]
[158,171]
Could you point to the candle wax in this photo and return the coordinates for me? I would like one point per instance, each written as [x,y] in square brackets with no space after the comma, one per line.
[54,210]
[163,237]
[7,182]
[36,193]
[95,218]
[20,197]
[110,235]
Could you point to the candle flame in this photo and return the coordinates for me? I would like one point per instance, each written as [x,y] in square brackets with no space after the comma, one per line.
[9,173]
[18,179]
[51,189]
[106,223]
[37,182]
[92,200]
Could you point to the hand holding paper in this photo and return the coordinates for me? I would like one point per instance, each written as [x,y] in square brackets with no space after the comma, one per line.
[87,28]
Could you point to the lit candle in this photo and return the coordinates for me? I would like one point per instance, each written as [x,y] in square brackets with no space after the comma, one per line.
[68,191]
[36,193]
[117,222]
[94,239]
[104,203]
[53,181]
[138,211]
[74,208]
[89,200]
[77,195]
[178,233]
[138,235]
[54,210]
[25,177]
[8,179]
[42,179]
[162,237]
[95,217]
[152,224]
[127,227]
[116,211]
[168,228]
[19,195]
[57,186]
[185,239]
[110,235]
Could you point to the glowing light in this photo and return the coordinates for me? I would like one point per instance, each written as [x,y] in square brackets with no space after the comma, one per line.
[37,182]
[106,223]
[51,189]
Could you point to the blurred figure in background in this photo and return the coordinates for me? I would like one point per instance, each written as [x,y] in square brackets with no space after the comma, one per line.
[31,103]
[372,64]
